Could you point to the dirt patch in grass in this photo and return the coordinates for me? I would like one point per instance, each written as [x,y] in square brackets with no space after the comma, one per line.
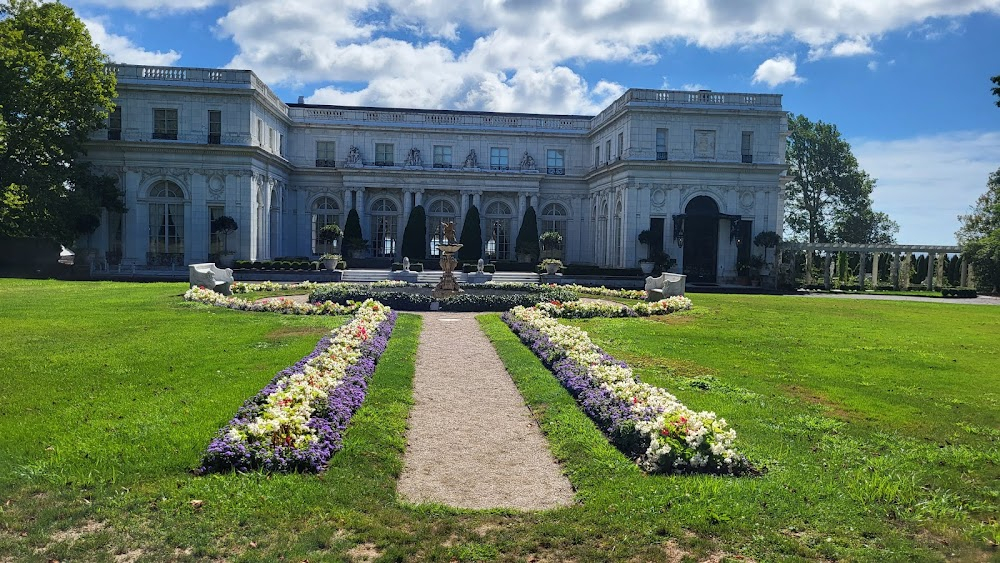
[130,556]
[672,319]
[364,552]
[73,534]
[812,397]
[672,366]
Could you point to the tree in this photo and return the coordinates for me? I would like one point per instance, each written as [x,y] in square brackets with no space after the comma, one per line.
[996,91]
[354,241]
[828,188]
[472,236]
[415,235]
[979,235]
[54,91]
[224,224]
[527,235]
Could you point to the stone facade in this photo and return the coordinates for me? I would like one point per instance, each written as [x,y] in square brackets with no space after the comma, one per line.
[700,169]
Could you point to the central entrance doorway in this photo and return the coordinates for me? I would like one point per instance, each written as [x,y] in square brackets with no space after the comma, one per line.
[701,239]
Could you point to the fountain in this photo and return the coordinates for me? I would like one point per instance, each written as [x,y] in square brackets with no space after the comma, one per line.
[448,285]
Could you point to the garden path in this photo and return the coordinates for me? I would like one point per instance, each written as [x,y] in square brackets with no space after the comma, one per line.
[471,441]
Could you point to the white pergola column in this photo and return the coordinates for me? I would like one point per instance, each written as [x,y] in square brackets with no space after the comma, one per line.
[861,270]
[359,204]
[827,282]
[895,271]
[875,257]
[904,281]
[930,271]
[940,269]
[809,267]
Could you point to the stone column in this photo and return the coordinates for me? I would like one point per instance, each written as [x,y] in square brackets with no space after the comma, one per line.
[940,269]
[875,257]
[904,277]
[826,270]
[477,199]
[418,197]
[861,270]
[359,205]
[930,271]
[965,272]
[463,204]
[895,271]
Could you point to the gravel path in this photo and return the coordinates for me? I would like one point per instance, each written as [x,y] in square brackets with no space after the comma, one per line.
[471,441]
[981,300]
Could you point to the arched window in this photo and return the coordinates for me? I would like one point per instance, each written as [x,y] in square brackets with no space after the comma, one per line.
[602,234]
[325,211]
[384,220]
[618,252]
[166,224]
[439,211]
[498,221]
[554,218]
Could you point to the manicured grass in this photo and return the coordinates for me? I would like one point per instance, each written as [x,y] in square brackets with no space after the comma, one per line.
[872,436]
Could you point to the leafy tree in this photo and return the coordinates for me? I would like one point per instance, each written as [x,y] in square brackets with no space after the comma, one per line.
[527,235]
[828,189]
[224,224]
[472,236]
[979,236]
[414,235]
[996,91]
[54,92]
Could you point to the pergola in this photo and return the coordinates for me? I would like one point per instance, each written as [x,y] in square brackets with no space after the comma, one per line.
[901,256]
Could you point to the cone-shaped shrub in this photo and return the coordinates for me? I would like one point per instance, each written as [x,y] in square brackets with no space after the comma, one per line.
[527,236]
[414,235]
[472,236]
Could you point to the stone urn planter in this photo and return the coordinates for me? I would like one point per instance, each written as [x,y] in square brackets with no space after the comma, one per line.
[226,259]
[551,269]
[646,267]
[330,262]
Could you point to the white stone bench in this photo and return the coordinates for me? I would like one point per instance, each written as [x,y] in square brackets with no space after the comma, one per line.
[665,285]
[208,276]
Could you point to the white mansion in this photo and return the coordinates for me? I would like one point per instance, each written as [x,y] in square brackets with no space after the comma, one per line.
[701,170]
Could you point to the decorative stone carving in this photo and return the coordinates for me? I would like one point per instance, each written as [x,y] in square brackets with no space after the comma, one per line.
[216,186]
[413,158]
[471,161]
[354,158]
[704,144]
[747,199]
[527,162]
[658,198]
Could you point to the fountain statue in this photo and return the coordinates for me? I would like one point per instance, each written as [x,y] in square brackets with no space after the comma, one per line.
[448,285]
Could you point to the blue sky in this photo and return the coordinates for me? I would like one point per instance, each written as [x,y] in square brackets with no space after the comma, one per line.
[906,81]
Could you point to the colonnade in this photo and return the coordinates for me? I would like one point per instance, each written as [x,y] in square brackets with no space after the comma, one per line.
[900,268]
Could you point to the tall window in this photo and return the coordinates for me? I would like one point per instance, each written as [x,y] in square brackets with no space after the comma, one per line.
[499,158]
[384,219]
[661,144]
[442,156]
[165,124]
[440,211]
[555,162]
[325,211]
[597,156]
[498,225]
[554,218]
[115,124]
[166,224]
[260,132]
[607,149]
[384,154]
[270,139]
[216,242]
[326,154]
[621,144]
[746,147]
[214,127]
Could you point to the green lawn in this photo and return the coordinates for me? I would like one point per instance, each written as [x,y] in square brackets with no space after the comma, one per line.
[877,423]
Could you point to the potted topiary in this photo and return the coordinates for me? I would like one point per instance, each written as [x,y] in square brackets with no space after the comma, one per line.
[663,261]
[551,265]
[648,263]
[328,235]
[550,241]
[225,224]
[754,266]
[767,239]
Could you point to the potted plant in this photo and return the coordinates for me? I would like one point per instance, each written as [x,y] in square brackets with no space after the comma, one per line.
[648,263]
[754,265]
[743,272]
[663,261]
[551,265]
[330,261]
[767,239]
[329,235]
[225,224]
[550,241]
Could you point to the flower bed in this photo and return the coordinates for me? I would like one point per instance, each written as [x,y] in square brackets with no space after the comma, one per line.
[297,421]
[645,422]
[478,297]
[589,309]
[270,305]
[624,293]
[245,287]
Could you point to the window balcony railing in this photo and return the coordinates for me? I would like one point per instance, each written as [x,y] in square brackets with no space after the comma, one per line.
[661,155]
[114,134]
[168,135]
[555,170]
[384,163]
[748,159]
[215,138]
[499,167]
[323,163]
[442,165]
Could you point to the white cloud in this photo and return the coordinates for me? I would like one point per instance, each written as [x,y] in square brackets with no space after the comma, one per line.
[924,183]
[873,65]
[777,70]
[148,5]
[852,47]
[122,50]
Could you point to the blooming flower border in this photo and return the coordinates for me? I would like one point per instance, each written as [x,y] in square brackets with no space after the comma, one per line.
[297,421]
[590,309]
[644,422]
[282,305]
